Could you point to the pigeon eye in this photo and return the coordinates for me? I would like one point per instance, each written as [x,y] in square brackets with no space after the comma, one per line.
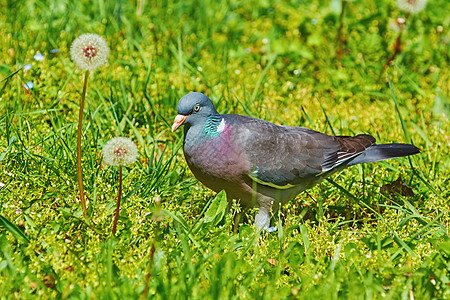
[197,107]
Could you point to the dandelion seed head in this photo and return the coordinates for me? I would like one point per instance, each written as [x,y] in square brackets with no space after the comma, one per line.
[89,51]
[411,6]
[120,151]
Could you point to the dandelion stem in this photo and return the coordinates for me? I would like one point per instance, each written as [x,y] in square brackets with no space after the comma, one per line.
[119,197]
[397,46]
[80,126]
[397,49]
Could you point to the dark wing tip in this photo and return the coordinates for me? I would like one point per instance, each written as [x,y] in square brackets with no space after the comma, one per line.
[383,152]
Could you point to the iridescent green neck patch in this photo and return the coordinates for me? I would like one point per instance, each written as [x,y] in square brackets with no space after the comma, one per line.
[214,125]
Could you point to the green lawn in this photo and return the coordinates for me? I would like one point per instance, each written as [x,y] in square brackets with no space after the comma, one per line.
[352,237]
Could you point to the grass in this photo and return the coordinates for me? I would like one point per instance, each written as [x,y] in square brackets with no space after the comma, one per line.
[272,60]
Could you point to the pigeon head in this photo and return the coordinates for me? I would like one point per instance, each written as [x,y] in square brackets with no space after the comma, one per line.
[193,108]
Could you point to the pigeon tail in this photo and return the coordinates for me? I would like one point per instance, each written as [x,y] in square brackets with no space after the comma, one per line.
[383,152]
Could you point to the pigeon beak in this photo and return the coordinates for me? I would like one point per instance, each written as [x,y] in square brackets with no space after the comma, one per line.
[179,120]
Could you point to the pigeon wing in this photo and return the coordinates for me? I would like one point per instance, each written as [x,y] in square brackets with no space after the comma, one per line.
[282,156]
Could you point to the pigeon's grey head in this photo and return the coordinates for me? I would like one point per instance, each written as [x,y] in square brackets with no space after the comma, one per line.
[193,108]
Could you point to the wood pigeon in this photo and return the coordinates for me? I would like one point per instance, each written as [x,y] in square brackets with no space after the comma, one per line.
[262,164]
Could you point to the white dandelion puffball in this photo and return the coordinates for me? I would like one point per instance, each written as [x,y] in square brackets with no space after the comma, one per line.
[89,51]
[411,6]
[120,151]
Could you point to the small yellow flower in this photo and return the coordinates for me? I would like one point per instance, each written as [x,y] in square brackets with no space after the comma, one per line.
[411,6]
[89,51]
[120,151]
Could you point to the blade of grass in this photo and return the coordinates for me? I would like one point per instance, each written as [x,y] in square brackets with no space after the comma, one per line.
[397,109]
[262,76]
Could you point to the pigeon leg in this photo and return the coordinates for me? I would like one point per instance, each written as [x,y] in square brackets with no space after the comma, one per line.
[262,218]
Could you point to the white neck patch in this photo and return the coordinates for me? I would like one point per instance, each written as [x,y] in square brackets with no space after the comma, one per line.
[221,126]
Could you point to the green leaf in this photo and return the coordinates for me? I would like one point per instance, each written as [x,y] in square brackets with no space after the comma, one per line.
[402,243]
[216,210]
[295,254]
[305,237]
[445,247]
[280,233]
[11,143]
[13,229]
